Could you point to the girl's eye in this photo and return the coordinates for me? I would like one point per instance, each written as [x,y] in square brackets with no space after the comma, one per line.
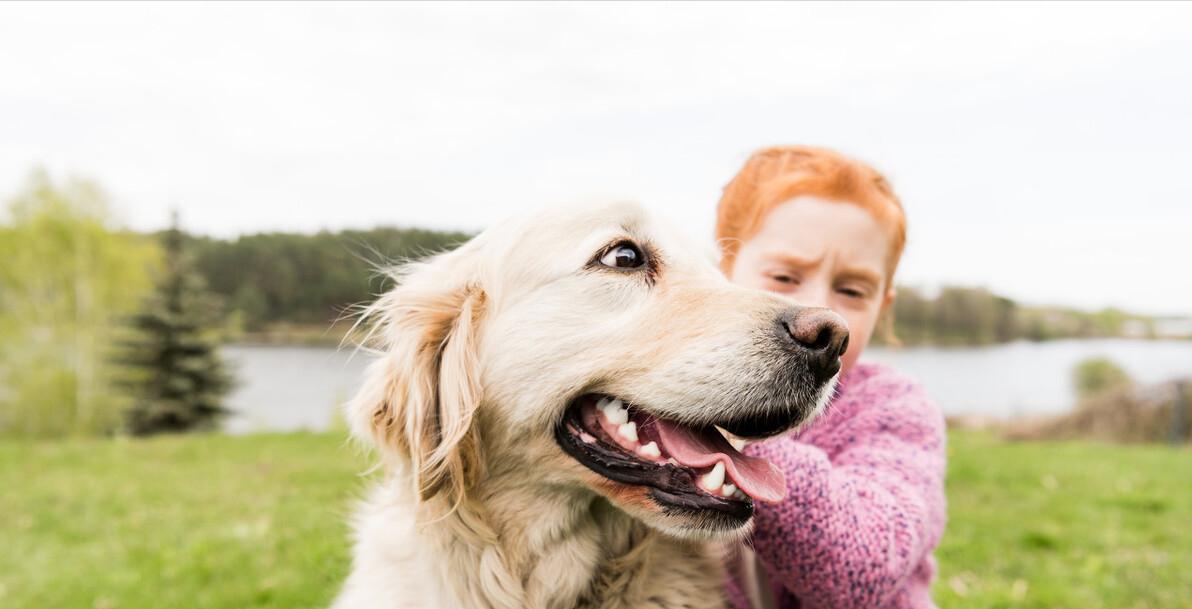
[851,292]
[784,279]
[624,255]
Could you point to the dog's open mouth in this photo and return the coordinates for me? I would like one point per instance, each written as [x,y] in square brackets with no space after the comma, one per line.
[684,466]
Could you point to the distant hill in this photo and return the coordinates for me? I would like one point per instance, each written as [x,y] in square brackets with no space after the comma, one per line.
[974,316]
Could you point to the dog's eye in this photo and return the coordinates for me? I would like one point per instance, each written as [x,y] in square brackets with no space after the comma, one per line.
[623,255]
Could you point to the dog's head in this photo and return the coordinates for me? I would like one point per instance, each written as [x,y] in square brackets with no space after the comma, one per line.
[593,352]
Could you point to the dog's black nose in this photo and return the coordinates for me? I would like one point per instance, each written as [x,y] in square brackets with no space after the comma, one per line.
[820,335]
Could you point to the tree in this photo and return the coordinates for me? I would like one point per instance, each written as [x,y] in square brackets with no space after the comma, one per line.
[68,273]
[1097,375]
[306,279]
[176,374]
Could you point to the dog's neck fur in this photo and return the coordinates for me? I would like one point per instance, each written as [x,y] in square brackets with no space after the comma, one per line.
[571,549]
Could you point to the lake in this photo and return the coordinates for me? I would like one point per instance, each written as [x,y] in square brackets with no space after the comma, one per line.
[291,388]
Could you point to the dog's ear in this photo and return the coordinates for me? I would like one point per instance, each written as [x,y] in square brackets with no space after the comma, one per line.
[419,399]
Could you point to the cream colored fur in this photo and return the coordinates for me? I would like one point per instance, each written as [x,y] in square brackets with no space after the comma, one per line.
[482,350]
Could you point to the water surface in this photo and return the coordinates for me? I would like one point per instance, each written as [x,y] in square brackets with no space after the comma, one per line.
[290,388]
[1027,378]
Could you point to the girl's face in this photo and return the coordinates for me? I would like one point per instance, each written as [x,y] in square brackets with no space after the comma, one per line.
[822,253]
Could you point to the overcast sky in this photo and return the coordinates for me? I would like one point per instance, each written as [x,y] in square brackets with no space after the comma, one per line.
[1041,150]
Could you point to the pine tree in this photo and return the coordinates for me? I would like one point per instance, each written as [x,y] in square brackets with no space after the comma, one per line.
[177,377]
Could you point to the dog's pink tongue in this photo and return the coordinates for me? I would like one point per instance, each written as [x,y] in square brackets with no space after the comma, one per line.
[692,447]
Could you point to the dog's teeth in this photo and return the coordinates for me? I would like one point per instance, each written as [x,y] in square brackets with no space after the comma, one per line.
[713,480]
[650,449]
[739,495]
[614,410]
[619,411]
[736,442]
[618,416]
[728,490]
[628,431]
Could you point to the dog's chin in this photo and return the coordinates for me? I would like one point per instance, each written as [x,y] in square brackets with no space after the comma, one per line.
[686,480]
[663,515]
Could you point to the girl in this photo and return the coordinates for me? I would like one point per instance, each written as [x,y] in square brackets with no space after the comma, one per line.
[865,506]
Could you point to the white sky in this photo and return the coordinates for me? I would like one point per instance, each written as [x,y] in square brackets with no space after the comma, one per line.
[1041,150]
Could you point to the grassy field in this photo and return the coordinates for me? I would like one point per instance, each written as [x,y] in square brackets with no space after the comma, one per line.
[258,521]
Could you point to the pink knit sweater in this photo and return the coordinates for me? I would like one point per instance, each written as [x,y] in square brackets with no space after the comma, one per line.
[865,506]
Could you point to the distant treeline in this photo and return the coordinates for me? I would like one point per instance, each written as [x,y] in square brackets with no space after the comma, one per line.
[976,316]
[308,280]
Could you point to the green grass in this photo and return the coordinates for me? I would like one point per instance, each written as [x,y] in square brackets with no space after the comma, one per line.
[259,521]
[194,521]
[1071,524]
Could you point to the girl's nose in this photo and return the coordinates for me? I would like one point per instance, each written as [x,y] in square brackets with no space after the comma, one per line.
[812,294]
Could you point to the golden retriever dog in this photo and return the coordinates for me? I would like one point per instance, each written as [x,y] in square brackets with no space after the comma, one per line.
[552,411]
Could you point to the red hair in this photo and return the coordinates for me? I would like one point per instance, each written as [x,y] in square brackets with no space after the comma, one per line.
[773,176]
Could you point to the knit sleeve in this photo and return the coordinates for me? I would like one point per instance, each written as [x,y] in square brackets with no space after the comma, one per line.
[855,526]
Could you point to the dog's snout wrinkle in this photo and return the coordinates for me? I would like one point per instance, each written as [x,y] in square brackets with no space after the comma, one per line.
[819,335]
